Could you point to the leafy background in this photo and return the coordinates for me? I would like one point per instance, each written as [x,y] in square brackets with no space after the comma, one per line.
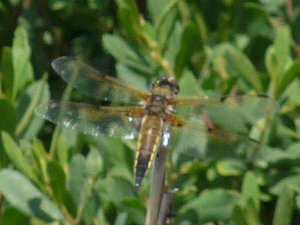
[51,175]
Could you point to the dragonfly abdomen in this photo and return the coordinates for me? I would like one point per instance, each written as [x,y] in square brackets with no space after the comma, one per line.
[148,142]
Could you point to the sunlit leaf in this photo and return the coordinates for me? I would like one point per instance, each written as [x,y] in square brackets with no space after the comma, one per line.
[230,167]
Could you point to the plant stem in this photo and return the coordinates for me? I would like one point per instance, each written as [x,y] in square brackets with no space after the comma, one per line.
[167,207]
[157,187]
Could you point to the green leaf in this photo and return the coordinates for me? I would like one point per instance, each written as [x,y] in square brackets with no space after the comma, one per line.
[246,214]
[91,204]
[298,202]
[271,62]
[94,162]
[29,123]
[8,116]
[189,44]
[131,22]
[21,60]
[83,178]
[167,10]
[57,180]
[273,155]
[7,78]
[11,216]
[284,207]
[187,142]
[239,216]
[23,195]
[156,8]
[287,78]
[16,156]
[244,69]
[292,182]
[173,46]
[165,26]
[282,44]
[230,167]
[132,77]
[112,191]
[62,151]
[131,6]
[189,85]
[121,219]
[101,217]
[250,189]
[41,157]
[119,159]
[216,204]
[125,53]
[278,55]
[78,178]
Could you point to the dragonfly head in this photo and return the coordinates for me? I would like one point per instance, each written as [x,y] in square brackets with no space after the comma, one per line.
[166,86]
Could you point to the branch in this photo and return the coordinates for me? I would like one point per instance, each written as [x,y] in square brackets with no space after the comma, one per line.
[157,187]
[167,207]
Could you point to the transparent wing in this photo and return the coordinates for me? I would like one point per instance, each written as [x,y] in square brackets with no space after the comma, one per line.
[194,138]
[90,82]
[234,113]
[109,121]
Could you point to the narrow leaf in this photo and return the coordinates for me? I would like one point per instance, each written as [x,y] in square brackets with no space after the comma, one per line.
[21,60]
[16,156]
[244,68]
[12,216]
[57,180]
[29,123]
[250,189]
[125,53]
[8,116]
[284,207]
[7,72]
[287,78]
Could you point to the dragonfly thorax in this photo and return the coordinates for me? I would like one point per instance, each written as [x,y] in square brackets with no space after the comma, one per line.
[156,105]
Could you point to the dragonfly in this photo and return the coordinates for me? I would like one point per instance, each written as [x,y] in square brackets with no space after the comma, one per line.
[151,117]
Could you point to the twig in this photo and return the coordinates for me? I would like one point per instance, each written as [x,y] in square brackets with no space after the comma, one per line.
[167,207]
[157,187]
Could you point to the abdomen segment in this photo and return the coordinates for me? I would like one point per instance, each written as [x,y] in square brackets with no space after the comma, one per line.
[148,143]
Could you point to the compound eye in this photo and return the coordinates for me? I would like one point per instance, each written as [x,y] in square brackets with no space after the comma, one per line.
[176,89]
[164,81]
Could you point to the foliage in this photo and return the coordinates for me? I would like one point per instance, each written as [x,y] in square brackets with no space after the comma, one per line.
[50,174]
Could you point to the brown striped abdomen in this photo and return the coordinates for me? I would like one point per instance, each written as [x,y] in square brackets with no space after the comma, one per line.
[148,143]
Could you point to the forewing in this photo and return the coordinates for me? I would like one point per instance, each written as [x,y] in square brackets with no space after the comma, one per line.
[108,121]
[90,82]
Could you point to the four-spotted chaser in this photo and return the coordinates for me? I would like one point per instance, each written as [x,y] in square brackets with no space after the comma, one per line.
[151,117]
